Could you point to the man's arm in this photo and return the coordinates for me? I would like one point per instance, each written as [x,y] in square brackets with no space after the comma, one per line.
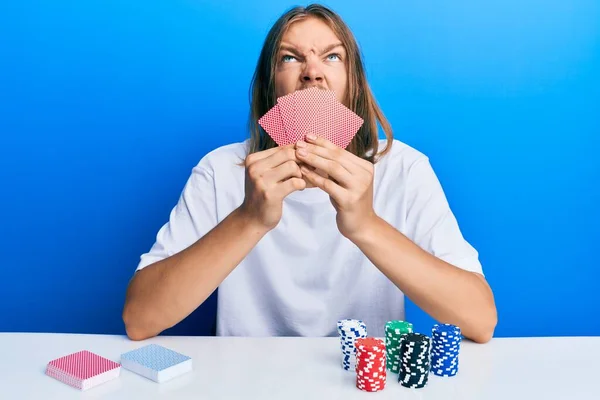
[448,293]
[162,294]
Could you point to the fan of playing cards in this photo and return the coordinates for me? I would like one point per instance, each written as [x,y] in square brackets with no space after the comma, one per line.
[313,111]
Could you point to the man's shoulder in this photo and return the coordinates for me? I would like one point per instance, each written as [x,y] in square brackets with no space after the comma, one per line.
[225,156]
[400,157]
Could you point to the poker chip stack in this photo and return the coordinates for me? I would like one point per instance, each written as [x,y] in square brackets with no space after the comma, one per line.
[393,336]
[446,346]
[350,330]
[370,364]
[415,353]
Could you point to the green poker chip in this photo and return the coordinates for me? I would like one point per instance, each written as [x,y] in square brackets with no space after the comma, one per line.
[393,339]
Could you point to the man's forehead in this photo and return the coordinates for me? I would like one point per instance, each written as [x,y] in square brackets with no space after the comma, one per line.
[310,34]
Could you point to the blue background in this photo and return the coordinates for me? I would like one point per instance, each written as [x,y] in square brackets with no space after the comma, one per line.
[105,107]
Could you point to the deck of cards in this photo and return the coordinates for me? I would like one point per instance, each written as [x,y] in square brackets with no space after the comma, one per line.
[156,363]
[83,370]
[315,111]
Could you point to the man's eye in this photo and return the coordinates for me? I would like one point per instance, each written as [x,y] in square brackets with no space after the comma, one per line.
[337,56]
[287,58]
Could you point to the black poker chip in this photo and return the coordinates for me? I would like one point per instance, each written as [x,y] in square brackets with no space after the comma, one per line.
[415,360]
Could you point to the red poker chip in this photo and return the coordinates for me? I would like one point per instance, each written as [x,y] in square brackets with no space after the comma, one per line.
[370,367]
[373,384]
[370,374]
[369,385]
[370,344]
[363,367]
[370,364]
[381,386]
[371,388]
[365,384]
[367,357]
[361,373]
[367,363]
[370,379]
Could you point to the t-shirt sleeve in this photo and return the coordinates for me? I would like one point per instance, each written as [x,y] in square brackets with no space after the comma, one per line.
[193,216]
[431,224]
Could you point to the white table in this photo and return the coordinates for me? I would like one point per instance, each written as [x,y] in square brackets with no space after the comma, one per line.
[304,368]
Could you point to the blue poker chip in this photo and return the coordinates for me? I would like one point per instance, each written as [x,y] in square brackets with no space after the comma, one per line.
[444,368]
[446,329]
[443,359]
[446,347]
[445,351]
[349,330]
[441,341]
[445,362]
[446,339]
[444,373]
[453,361]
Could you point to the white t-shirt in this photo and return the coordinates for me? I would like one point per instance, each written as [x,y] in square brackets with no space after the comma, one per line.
[303,276]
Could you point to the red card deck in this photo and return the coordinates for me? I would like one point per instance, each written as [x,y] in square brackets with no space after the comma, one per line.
[83,370]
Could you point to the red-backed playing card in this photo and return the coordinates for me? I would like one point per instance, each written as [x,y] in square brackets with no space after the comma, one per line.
[336,123]
[287,107]
[273,125]
[309,102]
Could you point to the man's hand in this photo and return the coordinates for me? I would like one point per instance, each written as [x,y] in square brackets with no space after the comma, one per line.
[271,175]
[347,179]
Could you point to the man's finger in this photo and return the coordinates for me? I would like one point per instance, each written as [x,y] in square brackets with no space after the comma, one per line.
[329,150]
[284,155]
[335,154]
[331,168]
[291,185]
[261,155]
[283,172]
[334,190]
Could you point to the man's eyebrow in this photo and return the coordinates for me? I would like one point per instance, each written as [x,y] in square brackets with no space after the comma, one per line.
[294,50]
[290,48]
[332,46]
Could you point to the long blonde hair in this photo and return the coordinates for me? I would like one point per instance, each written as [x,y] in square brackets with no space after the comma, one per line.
[359,99]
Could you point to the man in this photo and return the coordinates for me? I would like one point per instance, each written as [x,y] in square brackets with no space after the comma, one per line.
[300,236]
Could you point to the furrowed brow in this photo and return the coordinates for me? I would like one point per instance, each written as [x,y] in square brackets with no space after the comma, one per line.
[331,47]
[291,49]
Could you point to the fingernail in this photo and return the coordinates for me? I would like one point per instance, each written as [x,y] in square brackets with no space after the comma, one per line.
[301,144]
[310,136]
[302,152]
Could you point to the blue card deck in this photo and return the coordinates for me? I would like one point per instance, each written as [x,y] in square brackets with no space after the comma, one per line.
[156,362]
